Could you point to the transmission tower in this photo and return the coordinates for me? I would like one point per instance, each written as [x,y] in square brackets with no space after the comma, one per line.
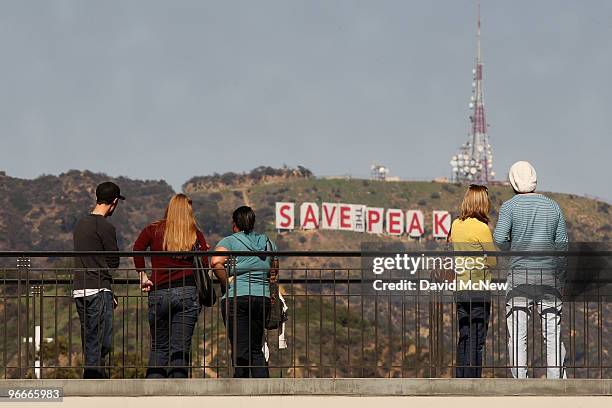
[473,163]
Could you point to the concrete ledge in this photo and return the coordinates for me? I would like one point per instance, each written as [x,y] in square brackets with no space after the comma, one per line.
[323,386]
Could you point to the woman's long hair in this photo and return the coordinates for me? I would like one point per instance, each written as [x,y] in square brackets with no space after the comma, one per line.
[476,204]
[180,224]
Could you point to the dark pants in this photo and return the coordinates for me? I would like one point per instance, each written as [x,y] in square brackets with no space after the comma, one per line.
[173,314]
[96,316]
[245,324]
[473,323]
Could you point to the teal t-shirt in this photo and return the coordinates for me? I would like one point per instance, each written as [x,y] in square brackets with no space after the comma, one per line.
[252,273]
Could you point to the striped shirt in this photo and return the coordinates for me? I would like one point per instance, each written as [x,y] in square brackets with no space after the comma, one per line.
[532,222]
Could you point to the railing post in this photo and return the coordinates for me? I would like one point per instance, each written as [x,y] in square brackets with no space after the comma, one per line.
[23,269]
[230,268]
[37,338]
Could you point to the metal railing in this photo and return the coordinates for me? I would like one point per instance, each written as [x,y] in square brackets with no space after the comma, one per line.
[337,326]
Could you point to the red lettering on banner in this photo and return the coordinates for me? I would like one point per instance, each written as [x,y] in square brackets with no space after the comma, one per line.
[395,222]
[329,218]
[373,218]
[360,218]
[415,224]
[345,217]
[441,224]
[310,218]
[287,220]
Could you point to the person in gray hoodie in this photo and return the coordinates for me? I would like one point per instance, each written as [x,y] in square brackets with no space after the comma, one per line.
[533,222]
[246,301]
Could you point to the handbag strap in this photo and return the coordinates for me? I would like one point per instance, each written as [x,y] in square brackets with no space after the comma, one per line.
[197,261]
[251,249]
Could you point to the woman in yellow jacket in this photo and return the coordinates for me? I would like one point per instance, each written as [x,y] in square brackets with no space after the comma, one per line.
[470,232]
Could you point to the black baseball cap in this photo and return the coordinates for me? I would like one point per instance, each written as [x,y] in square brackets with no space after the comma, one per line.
[107,192]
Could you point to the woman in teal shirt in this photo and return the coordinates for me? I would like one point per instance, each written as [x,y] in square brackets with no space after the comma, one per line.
[246,301]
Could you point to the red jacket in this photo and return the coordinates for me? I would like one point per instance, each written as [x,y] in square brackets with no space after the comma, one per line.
[167,271]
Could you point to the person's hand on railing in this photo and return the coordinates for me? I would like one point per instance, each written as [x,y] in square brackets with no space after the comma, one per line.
[145,282]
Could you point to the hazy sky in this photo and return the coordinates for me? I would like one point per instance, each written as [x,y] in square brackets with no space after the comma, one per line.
[173,89]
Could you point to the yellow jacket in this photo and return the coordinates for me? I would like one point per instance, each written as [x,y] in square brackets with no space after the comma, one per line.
[472,234]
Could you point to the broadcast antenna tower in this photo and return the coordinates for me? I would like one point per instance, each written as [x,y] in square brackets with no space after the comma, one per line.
[473,163]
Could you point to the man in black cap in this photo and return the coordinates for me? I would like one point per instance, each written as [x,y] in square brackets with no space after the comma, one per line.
[92,280]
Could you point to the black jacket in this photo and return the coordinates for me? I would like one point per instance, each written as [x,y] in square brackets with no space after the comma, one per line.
[94,233]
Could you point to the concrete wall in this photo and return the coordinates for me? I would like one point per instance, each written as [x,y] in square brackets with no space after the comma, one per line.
[321,387]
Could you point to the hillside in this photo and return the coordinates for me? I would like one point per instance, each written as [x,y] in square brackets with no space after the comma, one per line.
[39,214]
[231,180]
[587,219]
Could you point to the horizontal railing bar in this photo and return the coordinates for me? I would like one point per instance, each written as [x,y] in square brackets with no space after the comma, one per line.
[309,254]
[282,268]
[313,366]
[340,281]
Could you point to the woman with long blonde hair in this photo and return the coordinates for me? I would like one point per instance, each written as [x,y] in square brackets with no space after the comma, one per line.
[470,232]
[172,295]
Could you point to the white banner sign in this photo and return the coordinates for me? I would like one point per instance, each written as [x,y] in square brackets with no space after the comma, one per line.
[415,223]
[345,217]
[285,216]
[375,220]
[441,224]
[329,216]
[361,218]
[309,216]
[395,222]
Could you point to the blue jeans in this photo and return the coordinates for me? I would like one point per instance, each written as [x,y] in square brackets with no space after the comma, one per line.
[473,324]
[96,316]
[173,314]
